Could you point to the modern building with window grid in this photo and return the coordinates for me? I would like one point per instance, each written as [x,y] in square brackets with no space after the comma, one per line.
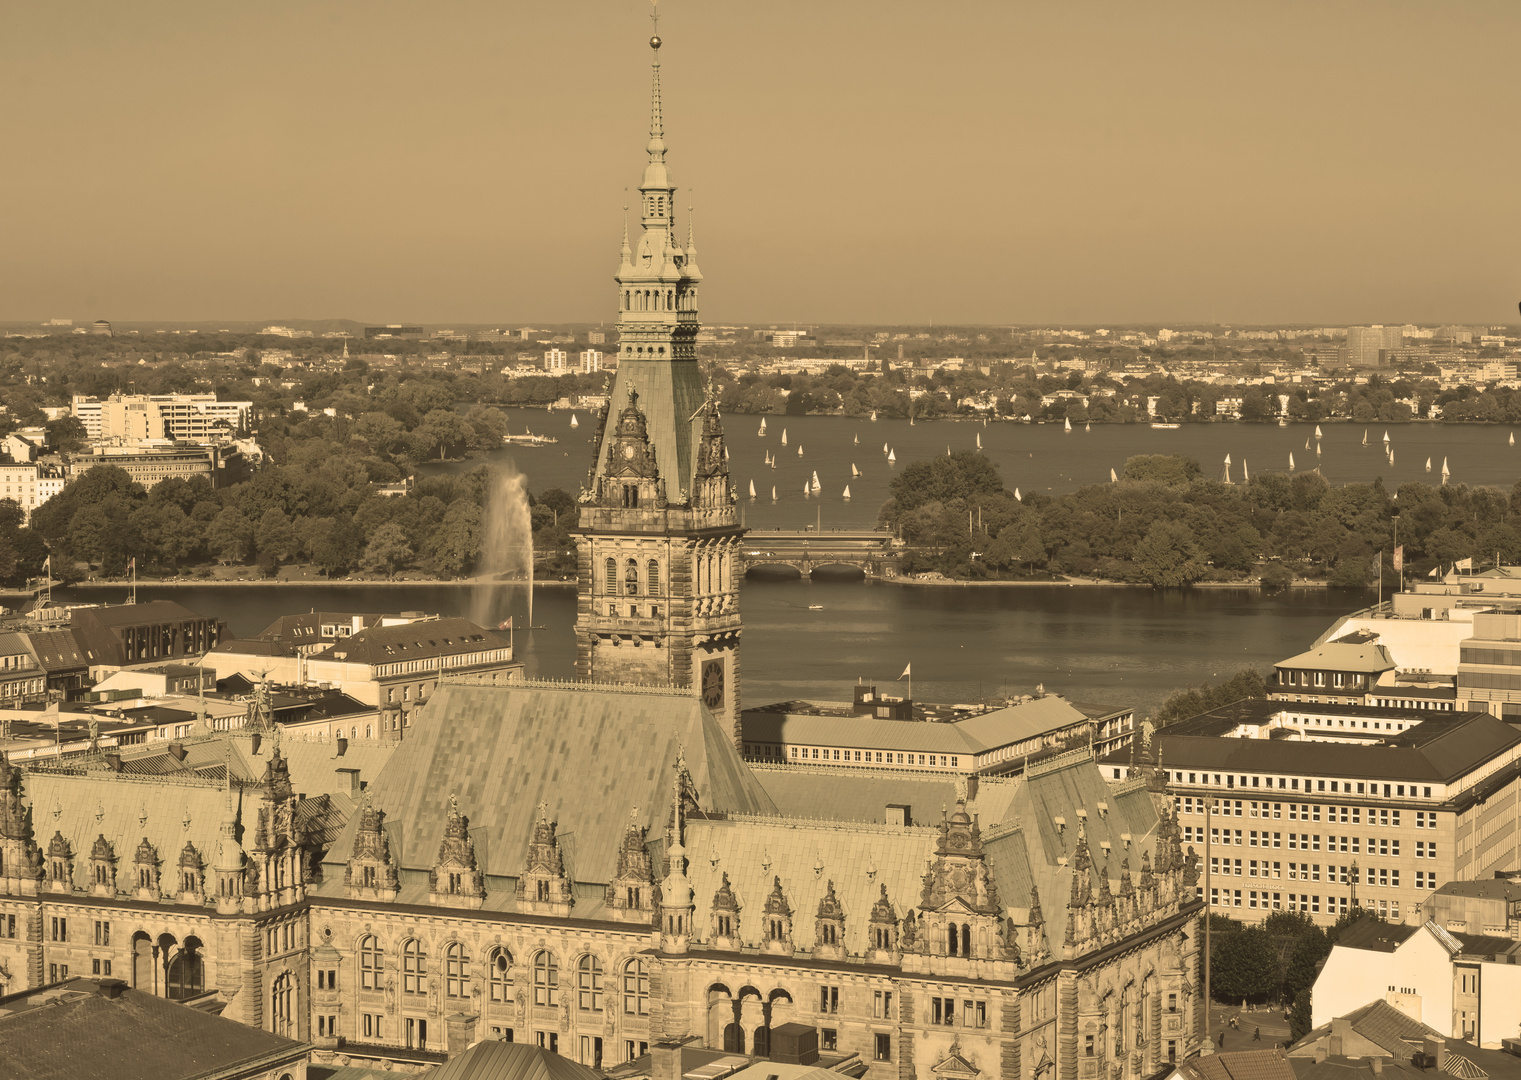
[1318,808]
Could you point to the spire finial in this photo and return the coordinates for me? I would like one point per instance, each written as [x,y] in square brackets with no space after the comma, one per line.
[657,126]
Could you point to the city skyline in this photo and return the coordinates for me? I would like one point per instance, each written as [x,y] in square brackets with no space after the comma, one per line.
[1084,180]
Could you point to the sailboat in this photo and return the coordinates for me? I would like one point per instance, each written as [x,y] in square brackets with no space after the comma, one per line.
[773,493]
[979,440]
[891,457]
[763,426]
[573,421]
[884,448]
[1244,475]
[1088,425]
[1513,438]
[1067,426]
[847,492]
[807,490]
[1386,438]
[854,472]
[814,484]
[800,450]
[1017,496]
[1317,449]
[1291,461]
[1365,436]
[874,416]
[1307,444]
[1225,477]
[947,449]
[726,453]
[752,490]
[1113,477]
[856,440]
[1428,464]
[784,436]
[1445,471]
[1317,431]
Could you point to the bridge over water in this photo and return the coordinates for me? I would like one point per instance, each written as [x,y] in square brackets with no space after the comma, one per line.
[874,553]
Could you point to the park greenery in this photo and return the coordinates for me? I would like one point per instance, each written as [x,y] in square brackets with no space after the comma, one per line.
[1164,524]
[1276,960]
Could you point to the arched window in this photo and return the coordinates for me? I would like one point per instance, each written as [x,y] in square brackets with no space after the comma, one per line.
[414,967]
[653,574]
[611,570]
[187,971]
[952,940]
[631,578]
[709,572]
[371,963]
[456,971]
[497,971]
[966,939]
[282,1002]
[636,988]
[546,979]
[723,571]
[589,984]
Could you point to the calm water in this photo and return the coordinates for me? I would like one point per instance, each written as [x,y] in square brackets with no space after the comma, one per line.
[1032,457]
[1112,645]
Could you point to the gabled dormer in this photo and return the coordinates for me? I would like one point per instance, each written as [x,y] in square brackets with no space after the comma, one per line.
[371,874]
[191,886]
[102,867]
[882,938]
[60,865]
[145,871]
[776,921]
[543,888]
[829,927]
[455,879]
[631,893]
[725,928]
[631,478]
[959,909]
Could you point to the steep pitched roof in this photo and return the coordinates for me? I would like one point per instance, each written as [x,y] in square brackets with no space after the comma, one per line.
[1239,1065]
[413,641]
[495,1060]
[79,1031]
[56,650]
[1363,656]
[590,753]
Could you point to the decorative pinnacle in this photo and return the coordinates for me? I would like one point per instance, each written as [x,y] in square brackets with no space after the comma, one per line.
[657,126]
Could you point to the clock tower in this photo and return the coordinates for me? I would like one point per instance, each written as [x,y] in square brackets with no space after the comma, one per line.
[658,534]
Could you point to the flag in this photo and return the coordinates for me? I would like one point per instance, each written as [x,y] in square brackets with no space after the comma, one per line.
[132,565]
[1399,559]
[47,566]
[907,668]
[1463,564]
[1378,564]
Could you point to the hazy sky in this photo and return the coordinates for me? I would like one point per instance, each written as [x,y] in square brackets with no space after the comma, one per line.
[853,160]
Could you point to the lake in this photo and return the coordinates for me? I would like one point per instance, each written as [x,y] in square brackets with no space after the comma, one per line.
[1031,457]
[1112,645]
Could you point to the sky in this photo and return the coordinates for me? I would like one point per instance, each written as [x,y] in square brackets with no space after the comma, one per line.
[851,161]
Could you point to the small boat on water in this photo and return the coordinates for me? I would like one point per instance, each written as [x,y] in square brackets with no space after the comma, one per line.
[856,440]
[784,436]
[1386,438]
[847,492]
[1113,477]
[1365,436]
[762,427]
[814,483]
[979,440]
[891,457]
[800,450]
[1017,496]
[573,421]
[1160,426]
[884,448]
[726,453]
[815,607]
[1307,444]
[773,493]
[1317,431]
[528,438]
[1225,477]
[1446,472]
[1428,464]
[854,472]
[1317,449]
[1291,461]
[947,449]
[752,490]
[874,416]
[1513,438]
[1244,475]
[1088,425]
[1067,426]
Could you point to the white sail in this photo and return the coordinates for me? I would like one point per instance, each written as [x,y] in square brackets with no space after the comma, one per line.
[884,448]
[763,425]
[979,440]
[784,436]
[800,450]
[1365,436]
[1244,475]
[1113,477]
[1088,425]
[752,489]
[1227,459]
[1307,444]
[1445,470]
[1317,449]
[1317,431]
[1513,438]
[1428,464]
[1067,426]
[874,416]
[807,491]
[1386,438]
[814,483]
[847,492]
[1017,496]
[854,472]
[947,449]
[573,421]
[773,493]
[891,456]
[726,453]
[856,440]
[1291,461]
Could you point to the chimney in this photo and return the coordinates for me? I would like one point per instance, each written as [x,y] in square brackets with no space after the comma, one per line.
[110,988]
[665,1060]
[177,751]
[971,788]
[1436,1053]
[1320,1052]
[355,787]
[1376,1063]
[342,744]
[113,762]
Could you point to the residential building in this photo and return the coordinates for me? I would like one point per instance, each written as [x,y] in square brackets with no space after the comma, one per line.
[1379,1041]
[1488,906]
[22,679]
[147,465]
[1346,671]
[1465,986]
[1489,665]
[141,635]
[1320,808]
[591,361]
[1368,346]
[596,337]
[554,361]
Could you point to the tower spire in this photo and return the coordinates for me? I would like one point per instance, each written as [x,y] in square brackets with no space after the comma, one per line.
[657,125]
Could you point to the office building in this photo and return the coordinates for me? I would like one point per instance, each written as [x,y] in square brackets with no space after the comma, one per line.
[133,418]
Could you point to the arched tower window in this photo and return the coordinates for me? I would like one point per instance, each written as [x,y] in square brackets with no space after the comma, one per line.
[653,573]
[498,968]
[589,984]
[611,569]
[283,1004]
[636,988]
[546,979]
[371,962]
[414,967]
[631,578]
[456,971]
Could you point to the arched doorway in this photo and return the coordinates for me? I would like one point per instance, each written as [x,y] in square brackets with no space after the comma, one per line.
[187,971]
[142,963]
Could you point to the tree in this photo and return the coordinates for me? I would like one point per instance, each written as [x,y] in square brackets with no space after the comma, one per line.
[274,538]
[961,475]
[1300,1022]
[387,550]
[1168,557]
[66,435]
[1171,469]
[454,545]
[337,550]
[230,536]
[1243,964]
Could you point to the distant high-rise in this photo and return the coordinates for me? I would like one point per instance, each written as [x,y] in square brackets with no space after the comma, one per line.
[591,361]
[101,326]
[1370,346]
[554,361]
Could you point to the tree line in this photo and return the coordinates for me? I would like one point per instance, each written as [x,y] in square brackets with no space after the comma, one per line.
[1165,524]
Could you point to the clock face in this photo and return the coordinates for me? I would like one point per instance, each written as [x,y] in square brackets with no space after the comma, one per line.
[713,684]
[628,451]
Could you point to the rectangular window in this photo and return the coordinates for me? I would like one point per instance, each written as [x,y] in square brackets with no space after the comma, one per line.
[884,1049]
[829,999]
[882,1005]
[60,928]
[828,1039]
[102,932]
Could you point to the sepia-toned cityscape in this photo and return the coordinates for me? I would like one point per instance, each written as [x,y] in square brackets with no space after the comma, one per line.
[1126,694]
